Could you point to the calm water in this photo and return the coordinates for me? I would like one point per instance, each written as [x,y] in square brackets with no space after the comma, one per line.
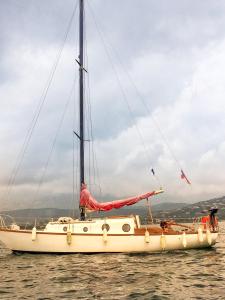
[193,274]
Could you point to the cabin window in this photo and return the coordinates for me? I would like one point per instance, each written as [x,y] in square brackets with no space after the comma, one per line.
[105,226]
[85,229]
[65,228]
[126,227]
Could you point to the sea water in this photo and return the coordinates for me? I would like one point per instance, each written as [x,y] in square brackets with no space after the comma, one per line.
[188,274]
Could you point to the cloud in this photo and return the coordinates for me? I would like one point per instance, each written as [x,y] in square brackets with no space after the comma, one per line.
[194,128]
[175,54]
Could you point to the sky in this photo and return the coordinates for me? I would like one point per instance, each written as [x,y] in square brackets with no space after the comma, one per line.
[155,88]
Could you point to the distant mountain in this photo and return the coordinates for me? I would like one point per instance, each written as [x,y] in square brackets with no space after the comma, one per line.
[59,200]
[195,210]
[177,211]
[168,206]
[40,216]
[28,216]
[38,213]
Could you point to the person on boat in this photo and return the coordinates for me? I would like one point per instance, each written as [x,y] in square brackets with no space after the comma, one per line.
[166,225]
[205,221]
[210,221]
[212,218]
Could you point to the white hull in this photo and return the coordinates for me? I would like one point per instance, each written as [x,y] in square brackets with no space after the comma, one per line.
[49,242]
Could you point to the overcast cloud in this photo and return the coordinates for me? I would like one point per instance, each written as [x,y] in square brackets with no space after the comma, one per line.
[174,51]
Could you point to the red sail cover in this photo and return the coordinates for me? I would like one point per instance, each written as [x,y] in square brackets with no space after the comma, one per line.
[87,201]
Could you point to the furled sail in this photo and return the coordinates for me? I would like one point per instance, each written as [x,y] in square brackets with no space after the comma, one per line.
[89,202]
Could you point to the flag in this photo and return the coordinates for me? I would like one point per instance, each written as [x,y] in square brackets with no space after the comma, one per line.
[183,176]
[153,172]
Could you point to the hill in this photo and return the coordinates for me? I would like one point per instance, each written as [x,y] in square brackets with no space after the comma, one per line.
[195,210]
[166,210]
[167,206]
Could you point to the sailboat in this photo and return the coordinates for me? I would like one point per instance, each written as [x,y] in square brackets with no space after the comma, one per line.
[104,234]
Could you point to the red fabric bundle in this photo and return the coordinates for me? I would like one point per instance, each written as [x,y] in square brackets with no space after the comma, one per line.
[88,201]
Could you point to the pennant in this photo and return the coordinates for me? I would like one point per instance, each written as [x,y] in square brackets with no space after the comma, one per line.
[183,176]
[153,172]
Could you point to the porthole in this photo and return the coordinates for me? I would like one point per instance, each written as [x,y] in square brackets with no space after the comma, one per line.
[65,228]
[85,229]
[105,226]
[126,227]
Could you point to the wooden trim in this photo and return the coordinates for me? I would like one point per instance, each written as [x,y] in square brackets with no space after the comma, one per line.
[65,233]
[137,232]
[11,230]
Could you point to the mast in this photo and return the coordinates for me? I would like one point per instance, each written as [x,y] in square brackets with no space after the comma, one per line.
[81,79]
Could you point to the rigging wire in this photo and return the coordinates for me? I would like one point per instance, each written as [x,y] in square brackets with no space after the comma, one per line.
[94,178]
[76,183]
[87,112]
[75,117]
[92,152]
[75,175]
[73,153]
[123,92]
[73,159]
[46,165]
[37,112]
[86,109]
[55,139]
[77,180]
[147,107]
